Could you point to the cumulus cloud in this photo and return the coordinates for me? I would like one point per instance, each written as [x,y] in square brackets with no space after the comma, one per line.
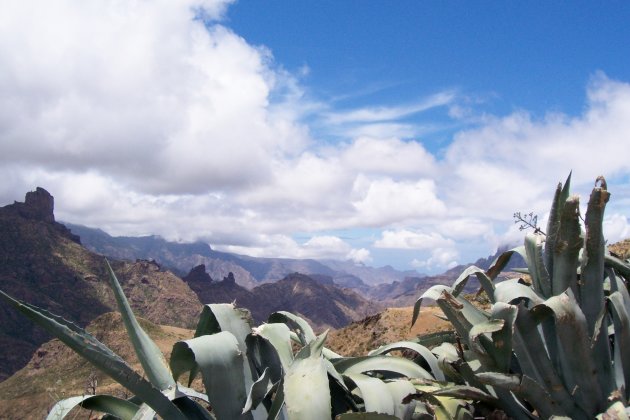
[142,90]
[382,202]
[155,117]
[406,239]
[616,228]
[443,258]
[510,163]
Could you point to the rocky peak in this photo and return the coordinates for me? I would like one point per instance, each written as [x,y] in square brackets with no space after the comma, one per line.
[38,205]
[229,279]
[198,275]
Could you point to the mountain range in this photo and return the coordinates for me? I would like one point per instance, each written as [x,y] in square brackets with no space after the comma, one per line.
[248,271]
[43,263]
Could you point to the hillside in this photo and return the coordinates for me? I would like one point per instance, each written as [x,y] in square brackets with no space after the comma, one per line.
[55,372]
[44,264]
[388,326]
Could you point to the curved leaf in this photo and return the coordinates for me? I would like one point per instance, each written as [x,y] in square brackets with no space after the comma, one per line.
[375,394]
[149,355]
[484,280]
[424,352]
[578,369]
[221,364]
[99,355]
[306,389]
[397,365]
[295,323]
[102,403]
[399,390]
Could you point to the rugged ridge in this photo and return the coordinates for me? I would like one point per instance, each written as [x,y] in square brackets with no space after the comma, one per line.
[315,297]
[43,263]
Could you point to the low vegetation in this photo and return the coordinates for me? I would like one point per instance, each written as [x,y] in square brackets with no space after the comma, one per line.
[557,346]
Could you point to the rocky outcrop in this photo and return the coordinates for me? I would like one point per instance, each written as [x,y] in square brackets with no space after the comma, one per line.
[42,263]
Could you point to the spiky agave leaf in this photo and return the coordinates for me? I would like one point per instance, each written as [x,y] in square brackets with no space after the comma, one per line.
[305,386]
[149,355]
[99,355]
[221,364]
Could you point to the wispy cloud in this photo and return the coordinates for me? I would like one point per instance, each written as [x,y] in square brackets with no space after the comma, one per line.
[386,114]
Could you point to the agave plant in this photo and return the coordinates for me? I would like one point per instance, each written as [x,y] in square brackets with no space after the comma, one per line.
[254,373]
[560,344]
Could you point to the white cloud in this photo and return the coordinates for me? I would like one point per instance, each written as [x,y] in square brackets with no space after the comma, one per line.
[141,90]
[512,163]
[441,258]
[616,228]
[382,202]
[382,114]
[317,247]
[388,156]
[141,119]
[406,239]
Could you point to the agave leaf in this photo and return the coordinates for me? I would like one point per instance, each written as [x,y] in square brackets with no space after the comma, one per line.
[618,264]
[192,409]
[592,270]
[526,387]
[329,354]
[553,224]
[257,392]
[465,392]
[484,280]
[532,357]
[503,338]
[306,389]
[99,355]
[502,260]
[578,369]
[277,406]
[189,392]
[434,293]
[396,365]
[226,317]
[149,355]
[102,403]
[221,365]
[374,392]
[399,390]
[268,347]
[424,353]
[145,413]
[463,315]
[536,266]
[217,317]
[616,411]
[436,338]
[295,323]
[591,287]
[511,291]
[567,249]
[621,320]
[366,416]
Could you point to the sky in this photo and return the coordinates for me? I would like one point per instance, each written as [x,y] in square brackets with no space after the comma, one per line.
[386,133]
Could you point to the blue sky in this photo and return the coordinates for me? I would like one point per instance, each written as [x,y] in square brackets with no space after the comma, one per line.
[401,132]
[532,55]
